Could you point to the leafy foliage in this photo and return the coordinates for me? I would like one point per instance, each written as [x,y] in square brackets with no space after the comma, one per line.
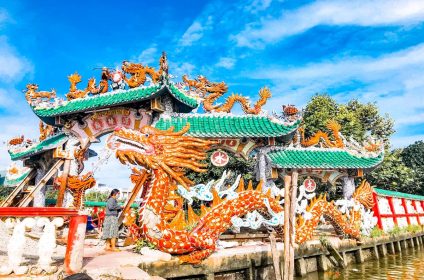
[357,119]
[96,195]
[393,174]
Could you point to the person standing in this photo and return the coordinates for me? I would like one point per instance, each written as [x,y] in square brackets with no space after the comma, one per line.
[110,225]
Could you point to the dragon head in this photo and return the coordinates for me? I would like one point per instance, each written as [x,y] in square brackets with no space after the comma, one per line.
[74,78]
[32,87]
[151,148]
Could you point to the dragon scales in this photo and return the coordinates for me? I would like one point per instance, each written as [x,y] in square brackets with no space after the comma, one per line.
[165,155]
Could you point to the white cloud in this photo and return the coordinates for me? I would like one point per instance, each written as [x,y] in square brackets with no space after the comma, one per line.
[258,5]
[12,66]
[362,13]
[403,141]
[394,81]
[148,55]
[196,31]
[226,62]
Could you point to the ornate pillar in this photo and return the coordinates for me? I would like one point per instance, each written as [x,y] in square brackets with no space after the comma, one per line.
[348,187]
[40,196]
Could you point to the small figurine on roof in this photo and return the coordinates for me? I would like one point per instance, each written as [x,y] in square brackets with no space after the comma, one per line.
[117,78]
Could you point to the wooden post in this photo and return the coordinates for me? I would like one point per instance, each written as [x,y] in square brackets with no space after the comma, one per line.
[63,183]
[275,257]
[292,223]
[133,195]
[286,238]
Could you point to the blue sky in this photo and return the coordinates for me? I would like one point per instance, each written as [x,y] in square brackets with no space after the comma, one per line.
[370,50]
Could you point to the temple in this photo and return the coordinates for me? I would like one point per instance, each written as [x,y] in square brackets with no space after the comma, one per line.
[146,111]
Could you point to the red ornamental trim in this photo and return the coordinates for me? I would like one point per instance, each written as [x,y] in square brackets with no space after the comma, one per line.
[37,212]
[97,124]
[126,121]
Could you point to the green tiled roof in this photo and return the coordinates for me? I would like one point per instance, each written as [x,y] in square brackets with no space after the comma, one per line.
[182,97]
[321,158]
[227,125]
[398,194]
[47,144]
[113,98]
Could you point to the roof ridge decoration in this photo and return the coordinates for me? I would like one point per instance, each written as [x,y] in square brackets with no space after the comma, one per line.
[20,147]
[334,158]
[228,125]
[46,104]
[211,91]
[324,140]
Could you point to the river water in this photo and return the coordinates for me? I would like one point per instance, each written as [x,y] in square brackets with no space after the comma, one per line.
[406,265]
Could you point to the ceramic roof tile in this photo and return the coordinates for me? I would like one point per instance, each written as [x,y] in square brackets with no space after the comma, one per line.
[228,125]
[47,144]
[324,158]
[113,98]
[382,192]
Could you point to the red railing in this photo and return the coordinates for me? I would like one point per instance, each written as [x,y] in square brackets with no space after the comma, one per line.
[394,215]
[76,234]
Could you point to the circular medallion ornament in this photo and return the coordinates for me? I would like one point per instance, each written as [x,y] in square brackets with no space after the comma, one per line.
[219,158]
[310,185]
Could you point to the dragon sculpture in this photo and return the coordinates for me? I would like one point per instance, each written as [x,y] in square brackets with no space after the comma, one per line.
[166,154]
[212,91]
[32,93]
[315,139]
[345,224]
[75,93]
[138,74]
[164,223]
[45,130]
[78,185]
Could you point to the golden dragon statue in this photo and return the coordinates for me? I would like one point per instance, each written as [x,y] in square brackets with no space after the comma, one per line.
[138,73]
[75,93]
[212,91]
[33,93]
[326,142]
[45,131]
[77,185]
[348,224]
[166,155]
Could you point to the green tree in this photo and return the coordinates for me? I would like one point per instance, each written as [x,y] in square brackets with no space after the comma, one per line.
[357,119]
[413,157]
[393,174]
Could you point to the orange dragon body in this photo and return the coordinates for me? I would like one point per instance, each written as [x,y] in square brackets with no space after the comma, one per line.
[78,185]
[347,224]
[32,93]
[212,91]
[138,74]
[166,154]
[320,135]
[75,93]
[45,131]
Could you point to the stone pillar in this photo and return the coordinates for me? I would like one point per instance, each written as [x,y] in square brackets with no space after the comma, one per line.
[40,196]
[300,267]
[359,256]
[322,263]
[348,187]
[375,252]
[382,250]
[75,245]
[391,248]
[398,248]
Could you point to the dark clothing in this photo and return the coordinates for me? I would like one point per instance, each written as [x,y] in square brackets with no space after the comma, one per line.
[112,207]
